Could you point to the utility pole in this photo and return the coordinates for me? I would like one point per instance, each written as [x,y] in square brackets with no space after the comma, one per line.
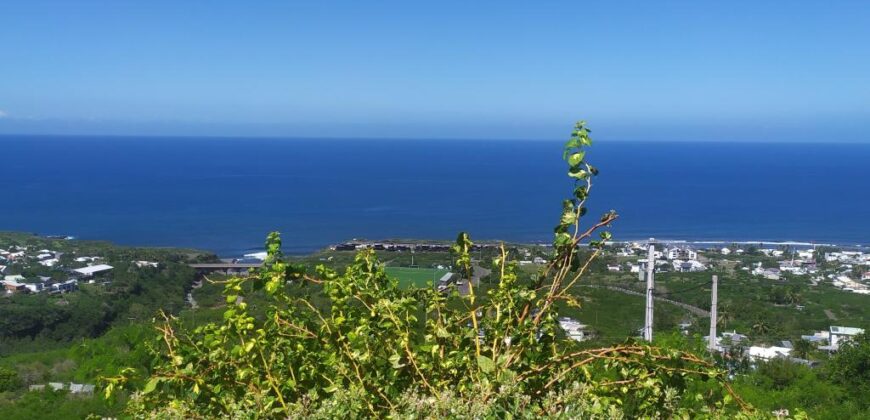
[650,286]
[714,306]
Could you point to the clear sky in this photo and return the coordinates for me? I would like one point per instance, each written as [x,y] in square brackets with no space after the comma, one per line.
[650,70]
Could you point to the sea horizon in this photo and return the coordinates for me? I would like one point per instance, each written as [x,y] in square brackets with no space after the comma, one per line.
[159,137]
[225,196]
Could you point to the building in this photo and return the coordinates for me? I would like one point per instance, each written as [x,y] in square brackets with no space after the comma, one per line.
[65,287]
[757,353]
[727,339]
[445,281]
[35,287]
[681,253]
[50,262]
[14,277]
[767,273]
[688,266]
[840,335]
[142,264]
[92,270]
[574,329]
[12,286]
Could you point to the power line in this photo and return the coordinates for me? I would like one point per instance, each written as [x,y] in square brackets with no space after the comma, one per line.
[685,290]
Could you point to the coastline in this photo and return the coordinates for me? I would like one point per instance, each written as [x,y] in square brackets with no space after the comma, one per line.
[241,252]
[303,251]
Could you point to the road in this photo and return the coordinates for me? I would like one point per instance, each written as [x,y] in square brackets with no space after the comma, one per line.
[190,299]
[479,273]
[693,309]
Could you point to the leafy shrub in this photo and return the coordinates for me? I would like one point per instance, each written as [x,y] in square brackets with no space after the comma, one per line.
[9,380]
[378,350]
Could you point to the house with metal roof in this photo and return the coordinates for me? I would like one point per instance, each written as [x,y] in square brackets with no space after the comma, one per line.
[93,269]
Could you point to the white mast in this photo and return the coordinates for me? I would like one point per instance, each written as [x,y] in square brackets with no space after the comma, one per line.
[714,307]
[650,286]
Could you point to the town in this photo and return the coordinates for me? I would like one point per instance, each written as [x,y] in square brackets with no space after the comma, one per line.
[30,270]
[766,276]
[846,270]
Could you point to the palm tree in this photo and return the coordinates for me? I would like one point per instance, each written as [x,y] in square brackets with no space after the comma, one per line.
[760,327]
[724,314]
[793,297]
[802,348]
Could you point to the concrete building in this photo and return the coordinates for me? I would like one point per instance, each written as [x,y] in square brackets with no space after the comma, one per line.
[840,335]
[681,253]
[92,270]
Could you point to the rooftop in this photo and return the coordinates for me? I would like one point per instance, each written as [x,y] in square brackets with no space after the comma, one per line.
[91,269]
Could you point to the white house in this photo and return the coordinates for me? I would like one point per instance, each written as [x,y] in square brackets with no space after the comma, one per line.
[839,335]
[767,353]
[806,254]
[678,253]
[725,251]
[142,264]
[688,266]
[93,269]
[51,262]
[574,329]
[34,287]
[67,286]
[727,338]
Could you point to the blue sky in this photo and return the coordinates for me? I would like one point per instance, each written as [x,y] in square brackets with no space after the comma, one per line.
[688,71]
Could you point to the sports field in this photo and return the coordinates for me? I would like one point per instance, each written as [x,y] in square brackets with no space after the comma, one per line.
[415,277]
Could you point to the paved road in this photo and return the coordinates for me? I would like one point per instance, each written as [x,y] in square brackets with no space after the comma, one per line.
[190,299]
[693,309]
[479,273]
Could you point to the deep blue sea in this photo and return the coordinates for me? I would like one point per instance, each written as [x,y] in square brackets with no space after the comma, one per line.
[224,195]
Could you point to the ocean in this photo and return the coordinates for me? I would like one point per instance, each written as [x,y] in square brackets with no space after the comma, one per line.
[226,194]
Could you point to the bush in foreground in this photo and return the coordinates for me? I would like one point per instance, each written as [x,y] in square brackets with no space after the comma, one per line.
[380,351]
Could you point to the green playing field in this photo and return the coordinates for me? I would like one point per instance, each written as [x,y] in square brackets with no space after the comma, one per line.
[415,277]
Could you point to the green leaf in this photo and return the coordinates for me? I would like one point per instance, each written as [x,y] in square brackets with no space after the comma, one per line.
[485,363]
[562,239]
[150,386]
[571,144]
[576,158]
[578,173]
[395,361]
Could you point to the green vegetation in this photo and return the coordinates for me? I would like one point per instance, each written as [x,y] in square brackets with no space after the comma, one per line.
[355,334]
[83,362]
[377,349]
[837,390]
[415,277]
[86,334]
[37,321]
